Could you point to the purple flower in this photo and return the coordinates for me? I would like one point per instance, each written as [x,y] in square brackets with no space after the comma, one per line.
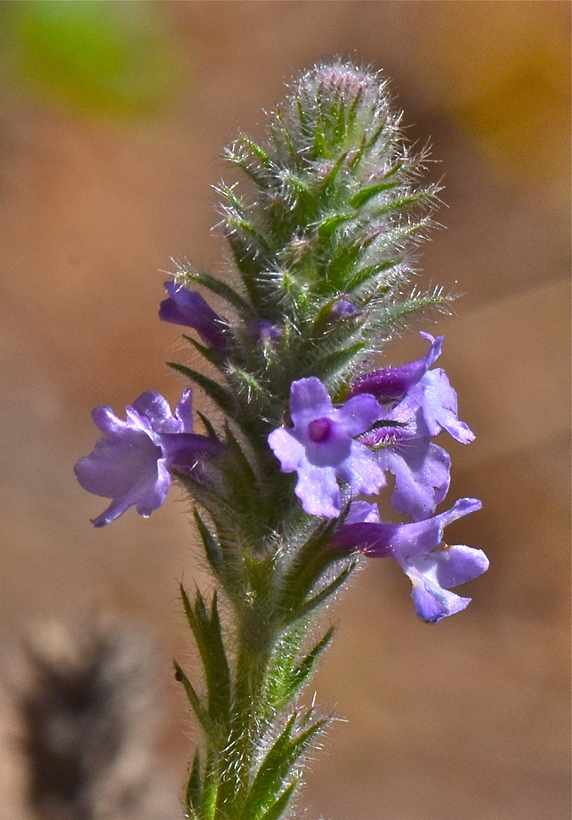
[421,468]
[414,386]
[188,308]
[432,571]
[130,464]
[321,449]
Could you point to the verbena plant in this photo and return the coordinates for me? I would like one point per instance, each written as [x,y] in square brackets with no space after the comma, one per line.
[303,431]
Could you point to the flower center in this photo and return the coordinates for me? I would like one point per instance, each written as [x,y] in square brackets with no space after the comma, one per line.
[319,430]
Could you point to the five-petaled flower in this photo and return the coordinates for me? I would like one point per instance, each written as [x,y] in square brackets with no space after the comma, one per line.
[321,448]
[415,547]
[131,463]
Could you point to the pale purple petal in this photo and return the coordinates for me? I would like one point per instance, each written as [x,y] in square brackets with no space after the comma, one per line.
[287,449]
[432,602]
[117,464]
[308,400]
[439,404]
[421,471]
[357,414]
[362,512]
[414,546]
[131,463]
[156,410]
[361,471]
[184,411]
[459,564]
[318,491]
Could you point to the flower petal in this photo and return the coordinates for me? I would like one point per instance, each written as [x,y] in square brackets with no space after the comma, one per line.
[459,564]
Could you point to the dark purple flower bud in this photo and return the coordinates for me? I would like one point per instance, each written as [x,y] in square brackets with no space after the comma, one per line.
[188,308]
[415,547]
[320,447]
[131,463]
[264,330]
[342,308]
[393,383]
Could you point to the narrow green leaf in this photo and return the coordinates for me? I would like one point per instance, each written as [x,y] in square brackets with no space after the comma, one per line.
[194,700]
[212,547]
[328,225]
[204,496]
[212,356]
[193,788]
[220,288]
[278,808]
[365,274]
[364,196]
[333,363]
[277,765]
[332,174]
[222,397]
[209,429]
[305,668]
[208,635]
[325,593]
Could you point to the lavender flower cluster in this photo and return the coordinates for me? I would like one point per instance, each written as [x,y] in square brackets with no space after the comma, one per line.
[306,433]
[385,425]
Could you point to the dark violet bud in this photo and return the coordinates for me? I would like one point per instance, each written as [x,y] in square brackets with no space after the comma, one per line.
[342,309]
[393,383]
[265,331]
[188,308]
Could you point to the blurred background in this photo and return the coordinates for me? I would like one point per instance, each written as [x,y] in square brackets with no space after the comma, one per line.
[112,121]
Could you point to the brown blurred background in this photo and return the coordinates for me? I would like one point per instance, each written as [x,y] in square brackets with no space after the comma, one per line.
[105,174]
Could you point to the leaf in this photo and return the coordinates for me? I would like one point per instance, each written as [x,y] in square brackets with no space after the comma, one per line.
[194,700]
[330,365]
[208,635]
[362,197]
[305,668]
[221,396]
[193,788]
[325,593]
[278,808]
[220,288]
[277,765]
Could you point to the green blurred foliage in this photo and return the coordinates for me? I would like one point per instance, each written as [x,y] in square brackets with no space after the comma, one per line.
[100,57]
